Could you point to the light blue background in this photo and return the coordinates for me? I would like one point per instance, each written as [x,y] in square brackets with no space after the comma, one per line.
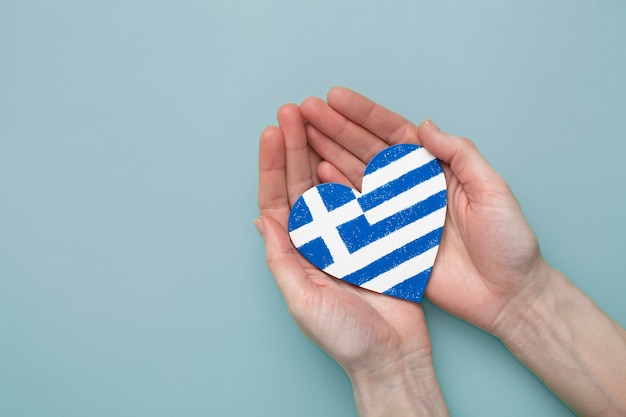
[132,281]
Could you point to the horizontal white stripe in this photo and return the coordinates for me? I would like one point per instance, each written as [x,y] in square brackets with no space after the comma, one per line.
[396,169]
[402,272]
[406,199]
[361,258]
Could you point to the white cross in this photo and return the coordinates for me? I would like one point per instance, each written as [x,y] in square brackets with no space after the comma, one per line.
[325,223]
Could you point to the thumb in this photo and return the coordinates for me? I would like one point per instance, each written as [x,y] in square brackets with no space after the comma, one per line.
[281,256]
[464,159]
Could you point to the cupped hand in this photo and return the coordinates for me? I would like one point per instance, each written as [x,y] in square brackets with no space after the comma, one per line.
[363,331]
[489,267]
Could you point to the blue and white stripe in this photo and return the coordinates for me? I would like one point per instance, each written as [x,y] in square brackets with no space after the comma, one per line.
[385,239]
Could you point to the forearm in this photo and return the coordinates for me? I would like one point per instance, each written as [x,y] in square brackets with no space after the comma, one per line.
[573,346]
[404,392]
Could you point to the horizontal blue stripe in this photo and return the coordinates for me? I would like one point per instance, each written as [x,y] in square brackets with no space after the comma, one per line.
[400,185]
[412,289]
[389,155]
[395,258]
[358,233]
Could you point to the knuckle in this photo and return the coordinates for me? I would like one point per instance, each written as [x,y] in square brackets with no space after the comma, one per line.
[467,144]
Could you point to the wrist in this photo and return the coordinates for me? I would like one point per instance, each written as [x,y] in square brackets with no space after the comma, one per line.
[530,307]
[528,320]
[408,388]
[570,344]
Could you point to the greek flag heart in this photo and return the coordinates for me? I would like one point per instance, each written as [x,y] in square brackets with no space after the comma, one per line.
[385,239]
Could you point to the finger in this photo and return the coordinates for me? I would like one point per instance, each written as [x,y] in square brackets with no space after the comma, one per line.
[355,138]
[327,172]
[298,168]
[273,200]
[281,258]
[461,155]
[314,161]
[382,122]
[348,165]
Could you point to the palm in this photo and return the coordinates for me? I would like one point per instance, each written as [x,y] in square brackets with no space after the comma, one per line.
[355,326]
[471,279]
[477,272]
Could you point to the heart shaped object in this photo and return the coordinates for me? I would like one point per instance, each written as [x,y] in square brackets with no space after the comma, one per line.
[384,239]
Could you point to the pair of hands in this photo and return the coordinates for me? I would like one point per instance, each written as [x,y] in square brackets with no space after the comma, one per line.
[488,267]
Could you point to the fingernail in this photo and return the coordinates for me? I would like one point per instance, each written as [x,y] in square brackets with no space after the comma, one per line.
[432,124]
[260,226]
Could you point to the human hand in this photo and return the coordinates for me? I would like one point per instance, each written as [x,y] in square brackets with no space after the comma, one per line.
[381,342]
[489,270]
[488,267]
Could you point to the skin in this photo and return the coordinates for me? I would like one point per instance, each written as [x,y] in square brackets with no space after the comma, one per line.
[489,256]
[381,342]
[489,270]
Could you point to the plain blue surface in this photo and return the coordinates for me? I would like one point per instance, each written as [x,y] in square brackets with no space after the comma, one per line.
[132,281]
